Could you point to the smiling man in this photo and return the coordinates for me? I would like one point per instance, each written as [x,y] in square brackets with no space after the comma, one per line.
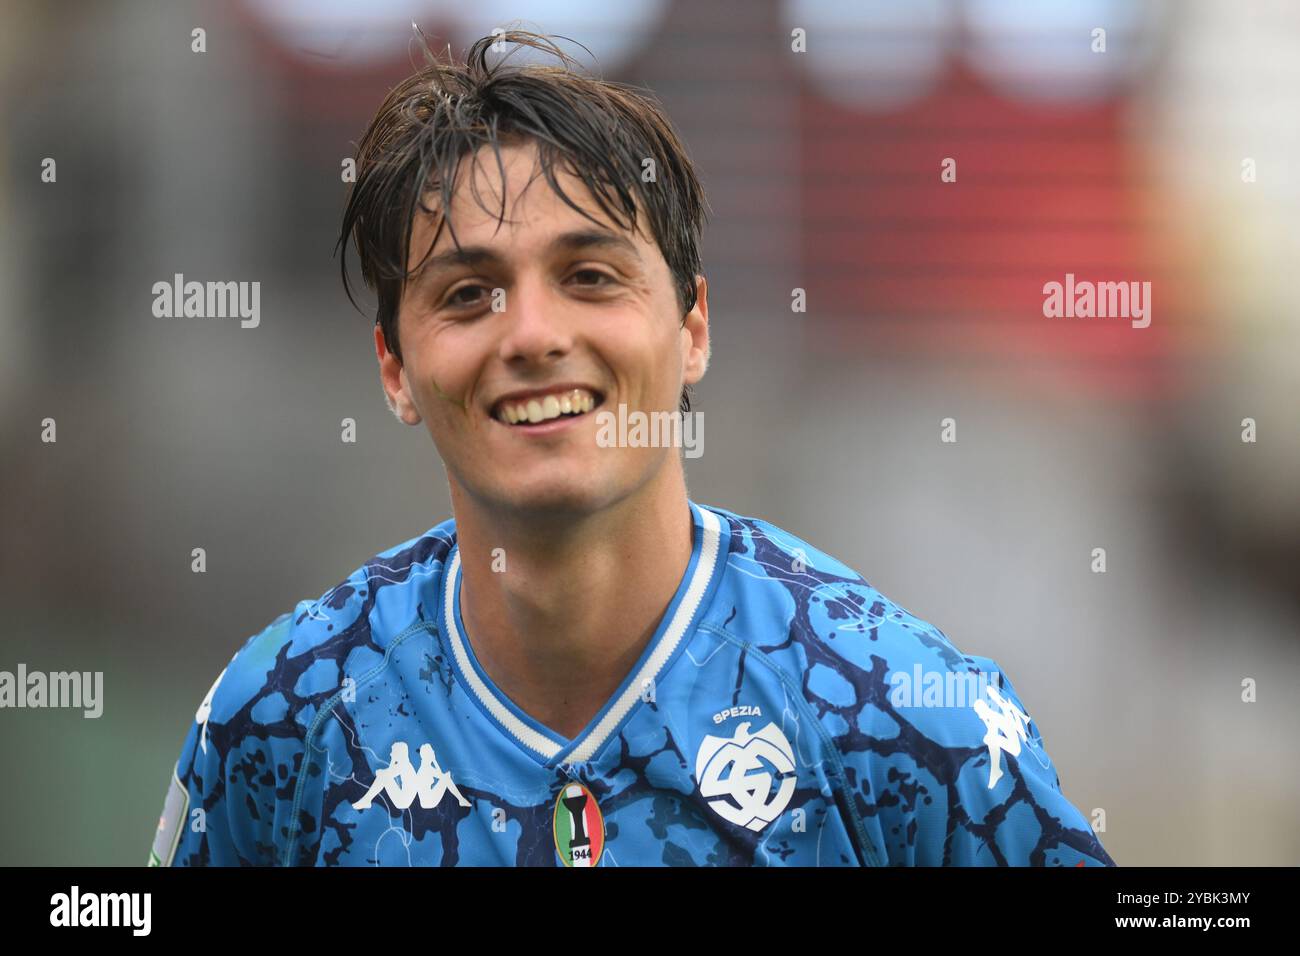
[510,347]
[584,667]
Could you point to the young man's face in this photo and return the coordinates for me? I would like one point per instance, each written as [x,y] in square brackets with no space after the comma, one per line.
[601,317]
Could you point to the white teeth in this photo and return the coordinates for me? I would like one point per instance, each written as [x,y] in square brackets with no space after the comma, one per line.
[577,400]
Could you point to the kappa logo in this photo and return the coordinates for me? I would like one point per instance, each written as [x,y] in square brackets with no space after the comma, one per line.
[402,783]
[202,715]
[733,776]
[1005,729]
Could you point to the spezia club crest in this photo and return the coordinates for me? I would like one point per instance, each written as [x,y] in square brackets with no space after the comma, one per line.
[736,775]
[579,826]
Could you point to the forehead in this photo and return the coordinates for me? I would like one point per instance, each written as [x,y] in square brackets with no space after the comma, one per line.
[533,214]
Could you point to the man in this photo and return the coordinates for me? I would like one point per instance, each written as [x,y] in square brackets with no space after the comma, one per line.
[594,669]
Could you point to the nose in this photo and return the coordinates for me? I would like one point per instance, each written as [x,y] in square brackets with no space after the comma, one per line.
[538,322]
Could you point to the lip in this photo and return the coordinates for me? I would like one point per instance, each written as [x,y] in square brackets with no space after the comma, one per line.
[525,394]
[548,427]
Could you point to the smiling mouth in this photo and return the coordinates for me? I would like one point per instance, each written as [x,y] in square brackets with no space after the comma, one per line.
[540,409]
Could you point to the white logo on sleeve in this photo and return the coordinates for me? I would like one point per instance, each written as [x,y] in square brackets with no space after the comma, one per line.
[205,710]
[403,783]
[723,767]
[1005,729]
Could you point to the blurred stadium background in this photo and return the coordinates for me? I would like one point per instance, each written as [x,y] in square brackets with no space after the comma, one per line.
[822,168]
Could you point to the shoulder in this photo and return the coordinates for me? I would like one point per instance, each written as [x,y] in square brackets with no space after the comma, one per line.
[864,663]
[940,759]
[822,606]
[243,758]
[276,682]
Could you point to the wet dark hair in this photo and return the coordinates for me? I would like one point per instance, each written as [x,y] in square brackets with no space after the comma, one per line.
[601,131]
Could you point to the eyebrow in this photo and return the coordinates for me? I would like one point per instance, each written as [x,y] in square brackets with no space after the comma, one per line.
[576,241]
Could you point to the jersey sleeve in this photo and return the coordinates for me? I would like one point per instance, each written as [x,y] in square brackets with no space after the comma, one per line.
[952,771]
[230,798]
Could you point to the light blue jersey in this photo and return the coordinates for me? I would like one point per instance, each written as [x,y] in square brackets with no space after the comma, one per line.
[784,713]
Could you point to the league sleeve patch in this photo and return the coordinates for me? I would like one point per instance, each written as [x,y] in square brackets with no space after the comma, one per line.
[168,837]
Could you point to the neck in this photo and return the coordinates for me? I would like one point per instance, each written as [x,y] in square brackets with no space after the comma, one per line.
[579,598]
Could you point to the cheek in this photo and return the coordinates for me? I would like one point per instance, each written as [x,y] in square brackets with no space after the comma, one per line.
[444,371]
[666,362]
[652,356]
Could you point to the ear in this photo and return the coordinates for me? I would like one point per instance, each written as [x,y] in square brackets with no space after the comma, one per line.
[397,389]
[695,335]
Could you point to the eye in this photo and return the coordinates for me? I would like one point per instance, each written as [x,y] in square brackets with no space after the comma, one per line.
[454,299]
[596,273]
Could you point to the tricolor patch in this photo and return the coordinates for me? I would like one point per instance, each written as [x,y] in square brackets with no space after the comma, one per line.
[579,826]
[168,836]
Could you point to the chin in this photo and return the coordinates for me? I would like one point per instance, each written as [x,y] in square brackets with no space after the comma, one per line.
[574,497]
